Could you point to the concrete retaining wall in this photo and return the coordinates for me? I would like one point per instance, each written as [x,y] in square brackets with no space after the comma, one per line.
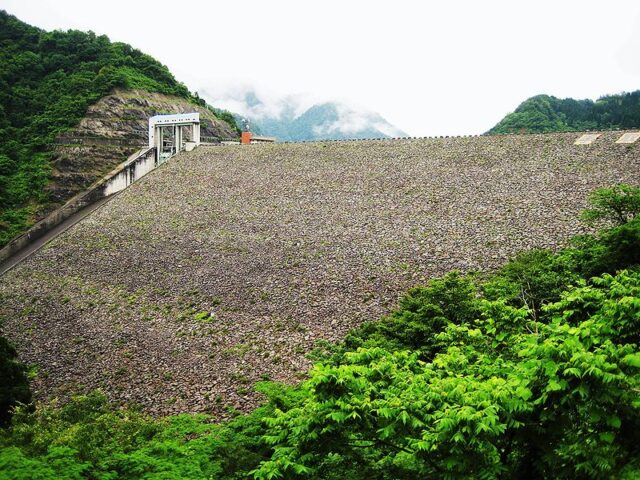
[131,171]
[136,166]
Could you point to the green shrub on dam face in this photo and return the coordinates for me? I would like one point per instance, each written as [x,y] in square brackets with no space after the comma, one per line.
[618,204]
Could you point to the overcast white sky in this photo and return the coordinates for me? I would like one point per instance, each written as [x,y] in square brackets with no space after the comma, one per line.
[430,68]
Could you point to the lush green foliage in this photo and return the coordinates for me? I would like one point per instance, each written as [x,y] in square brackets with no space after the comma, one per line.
[530,372]
[619,204]
[88,438]
[505,395]
[544,113]
[13,378]
[226,116]
[47,81]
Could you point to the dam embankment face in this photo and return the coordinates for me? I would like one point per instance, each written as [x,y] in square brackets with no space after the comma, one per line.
[226,265]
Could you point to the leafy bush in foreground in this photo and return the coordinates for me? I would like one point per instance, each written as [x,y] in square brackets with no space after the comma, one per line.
[532,372]
[14,382]
[89,438]
[509,396]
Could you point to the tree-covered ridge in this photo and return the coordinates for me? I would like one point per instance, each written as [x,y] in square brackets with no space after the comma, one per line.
[47,81]
[530,372]
[544,113]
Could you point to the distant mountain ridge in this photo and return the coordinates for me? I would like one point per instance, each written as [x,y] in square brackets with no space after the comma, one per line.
[544,113]
[288,119]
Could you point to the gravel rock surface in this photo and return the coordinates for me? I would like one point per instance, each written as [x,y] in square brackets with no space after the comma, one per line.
[225,265]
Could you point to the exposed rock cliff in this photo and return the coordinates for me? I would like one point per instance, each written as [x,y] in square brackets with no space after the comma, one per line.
[112,129]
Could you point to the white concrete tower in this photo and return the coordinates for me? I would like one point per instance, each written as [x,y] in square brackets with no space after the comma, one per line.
[158,122]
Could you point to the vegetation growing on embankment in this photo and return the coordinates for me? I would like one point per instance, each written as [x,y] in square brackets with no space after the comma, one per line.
[544,113]
[47,82]
[530,372]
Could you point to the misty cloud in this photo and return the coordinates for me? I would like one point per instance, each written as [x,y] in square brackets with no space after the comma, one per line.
[431,68]
[256,103]
[352,121]
[299,116]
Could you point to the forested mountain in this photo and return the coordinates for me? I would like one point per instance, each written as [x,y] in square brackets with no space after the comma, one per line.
[290,118]
[325,121]
[544,113]
[47,82]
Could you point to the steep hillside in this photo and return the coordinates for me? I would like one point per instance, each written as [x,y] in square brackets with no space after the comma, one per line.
[113,128]
[543,113]
[226,264]
[47,82]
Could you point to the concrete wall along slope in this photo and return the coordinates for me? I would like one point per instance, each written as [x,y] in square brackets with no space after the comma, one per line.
[136,166]
[131,172]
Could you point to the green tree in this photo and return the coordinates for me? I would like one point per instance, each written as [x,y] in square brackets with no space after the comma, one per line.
[14,382]
[544,113]
[557,400]
[619,204]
